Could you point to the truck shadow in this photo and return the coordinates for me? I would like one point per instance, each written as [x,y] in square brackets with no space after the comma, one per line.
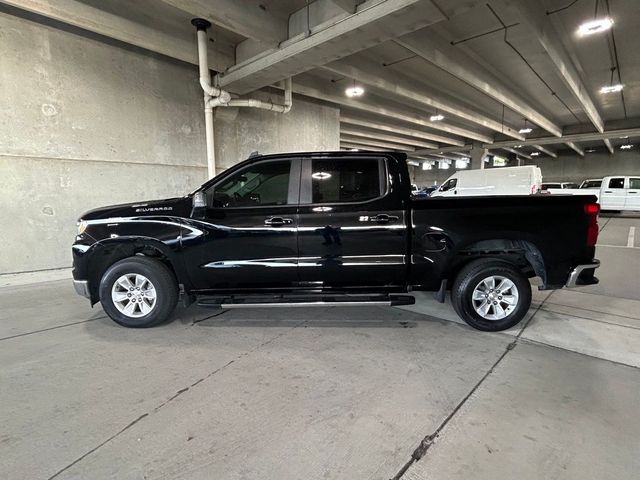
[333,317]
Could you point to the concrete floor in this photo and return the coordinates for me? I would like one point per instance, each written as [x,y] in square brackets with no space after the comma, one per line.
[335,393]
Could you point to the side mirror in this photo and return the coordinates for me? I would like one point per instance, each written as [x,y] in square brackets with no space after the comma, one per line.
[199,200]
[199,203]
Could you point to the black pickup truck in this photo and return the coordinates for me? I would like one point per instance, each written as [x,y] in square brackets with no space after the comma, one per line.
[331,228]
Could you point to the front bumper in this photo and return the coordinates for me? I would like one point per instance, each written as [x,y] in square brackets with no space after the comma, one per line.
[583,275]
[82,288]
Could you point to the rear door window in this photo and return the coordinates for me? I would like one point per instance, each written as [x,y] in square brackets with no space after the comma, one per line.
[346,181]
[616,183]
[634,183]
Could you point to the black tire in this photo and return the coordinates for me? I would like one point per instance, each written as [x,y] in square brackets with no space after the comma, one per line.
[471,276]
[158,274]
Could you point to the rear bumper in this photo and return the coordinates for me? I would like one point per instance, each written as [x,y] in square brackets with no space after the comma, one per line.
[583,275]
[82,288]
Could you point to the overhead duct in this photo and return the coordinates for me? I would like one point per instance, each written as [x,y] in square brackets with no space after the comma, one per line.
[217,97]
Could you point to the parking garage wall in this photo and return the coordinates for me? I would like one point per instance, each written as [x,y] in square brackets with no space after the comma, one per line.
[309,126]
[86,122]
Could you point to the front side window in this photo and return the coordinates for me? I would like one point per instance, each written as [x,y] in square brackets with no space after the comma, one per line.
[344,181]
[616,183]
[262,184]
[449,184]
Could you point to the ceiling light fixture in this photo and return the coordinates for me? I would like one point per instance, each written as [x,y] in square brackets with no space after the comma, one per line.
[354,91]
[611,88]
[535,154]
[626,147]
[590,150]
[437,117]
[320,175]
[595,26]
[525,129]
[517,146]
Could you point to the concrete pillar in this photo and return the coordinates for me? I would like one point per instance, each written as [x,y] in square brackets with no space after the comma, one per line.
[477,156]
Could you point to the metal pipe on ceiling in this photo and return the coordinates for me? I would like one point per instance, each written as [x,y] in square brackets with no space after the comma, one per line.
[217,97]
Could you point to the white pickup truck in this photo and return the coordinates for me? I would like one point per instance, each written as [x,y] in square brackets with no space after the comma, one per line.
[620,193]
[616,192]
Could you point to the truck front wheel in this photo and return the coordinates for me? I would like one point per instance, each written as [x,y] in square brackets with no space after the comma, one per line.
[138,292]
[491,295]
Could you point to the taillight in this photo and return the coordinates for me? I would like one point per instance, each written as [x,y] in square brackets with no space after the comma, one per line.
[592,210]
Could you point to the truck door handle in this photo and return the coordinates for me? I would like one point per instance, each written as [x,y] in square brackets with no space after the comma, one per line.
[383,218]
[608,191]
[632,191]
[278,221]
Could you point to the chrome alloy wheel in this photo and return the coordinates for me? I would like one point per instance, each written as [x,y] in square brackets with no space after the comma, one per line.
[495,297]
[133,295]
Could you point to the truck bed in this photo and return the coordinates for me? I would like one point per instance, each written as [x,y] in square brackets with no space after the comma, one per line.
[549,229]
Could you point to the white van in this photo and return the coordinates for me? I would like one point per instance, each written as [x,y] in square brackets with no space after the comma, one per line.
[492,181]
[620,192]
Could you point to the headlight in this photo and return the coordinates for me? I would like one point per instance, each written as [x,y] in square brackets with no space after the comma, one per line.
[82,226]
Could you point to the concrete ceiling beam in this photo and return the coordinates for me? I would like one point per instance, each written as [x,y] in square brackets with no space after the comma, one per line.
[392,83]
[384,137]
[455,150]
[370,25]
[436,50]
[347,5]
[573,146]
[248,18]
[545,151]
[363,147]
[609,146]
[346,119]
[319,90]
[533,15]
[450,156]
[87,17]
[375,143]
[517,152]
[577,137]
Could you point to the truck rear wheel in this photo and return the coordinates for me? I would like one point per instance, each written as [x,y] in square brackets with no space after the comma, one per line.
[491,295]
[138,292]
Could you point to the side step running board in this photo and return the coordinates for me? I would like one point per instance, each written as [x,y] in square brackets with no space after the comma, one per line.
[307,301]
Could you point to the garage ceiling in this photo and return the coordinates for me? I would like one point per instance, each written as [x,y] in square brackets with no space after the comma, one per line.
[489,67]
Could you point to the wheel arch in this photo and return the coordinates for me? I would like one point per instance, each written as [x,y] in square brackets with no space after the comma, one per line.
[522,253]
[110,251]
